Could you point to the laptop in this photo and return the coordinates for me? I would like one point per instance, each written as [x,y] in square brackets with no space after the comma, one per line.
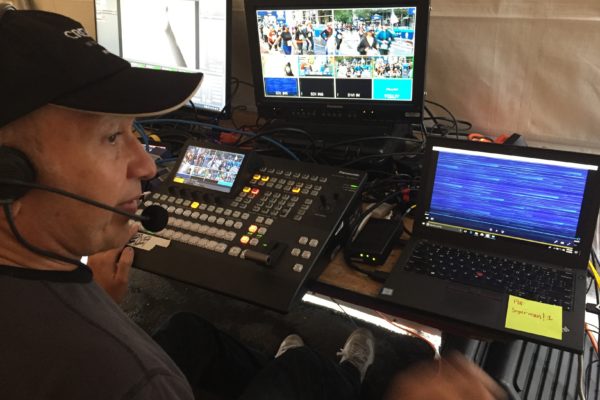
[501,240]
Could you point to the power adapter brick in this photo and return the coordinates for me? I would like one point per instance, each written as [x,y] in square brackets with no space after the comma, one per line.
[375,241]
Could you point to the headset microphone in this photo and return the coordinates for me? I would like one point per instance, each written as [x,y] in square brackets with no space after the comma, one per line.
[154,218]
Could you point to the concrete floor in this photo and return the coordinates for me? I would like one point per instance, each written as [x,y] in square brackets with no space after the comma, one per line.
[152,299]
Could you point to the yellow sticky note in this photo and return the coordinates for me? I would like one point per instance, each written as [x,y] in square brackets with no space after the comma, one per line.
[534,317]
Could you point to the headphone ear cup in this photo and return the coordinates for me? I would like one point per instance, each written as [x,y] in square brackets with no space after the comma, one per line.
[14,165]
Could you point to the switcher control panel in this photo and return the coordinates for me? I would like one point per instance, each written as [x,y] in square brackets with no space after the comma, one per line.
[249,226]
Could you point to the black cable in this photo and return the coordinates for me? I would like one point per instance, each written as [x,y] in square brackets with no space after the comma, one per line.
[366,138]
[29,246]
[434,119]
[449,113]
[278,130]
[375,156]
[588,374]
[467,124]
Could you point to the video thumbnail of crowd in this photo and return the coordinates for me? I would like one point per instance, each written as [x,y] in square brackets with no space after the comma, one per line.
[209,168]
[361,53]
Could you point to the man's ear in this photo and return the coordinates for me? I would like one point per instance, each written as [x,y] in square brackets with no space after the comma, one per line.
[15,207]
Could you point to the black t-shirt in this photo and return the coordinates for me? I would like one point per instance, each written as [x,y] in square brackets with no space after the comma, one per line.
[62,337]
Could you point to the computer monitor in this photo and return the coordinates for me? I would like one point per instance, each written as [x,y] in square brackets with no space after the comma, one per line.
[183,35]
[340,60]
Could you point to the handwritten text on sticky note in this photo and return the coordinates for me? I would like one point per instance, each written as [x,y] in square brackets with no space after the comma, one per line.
[534,317]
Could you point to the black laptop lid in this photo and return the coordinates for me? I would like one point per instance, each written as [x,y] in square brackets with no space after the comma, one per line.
[536,204]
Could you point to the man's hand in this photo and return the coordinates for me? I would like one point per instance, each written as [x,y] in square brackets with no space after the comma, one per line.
[111,270]
[453,378]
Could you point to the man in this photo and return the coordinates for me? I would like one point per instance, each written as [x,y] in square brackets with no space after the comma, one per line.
[384,39]
[68,107]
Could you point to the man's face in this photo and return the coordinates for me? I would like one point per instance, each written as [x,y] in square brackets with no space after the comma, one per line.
[95,156]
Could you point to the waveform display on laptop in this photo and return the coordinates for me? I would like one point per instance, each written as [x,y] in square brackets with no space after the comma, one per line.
[532,201]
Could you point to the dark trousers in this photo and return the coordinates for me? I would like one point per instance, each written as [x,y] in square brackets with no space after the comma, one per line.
[216,363]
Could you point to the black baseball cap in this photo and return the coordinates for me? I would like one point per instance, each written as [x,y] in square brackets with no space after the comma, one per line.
[48,58]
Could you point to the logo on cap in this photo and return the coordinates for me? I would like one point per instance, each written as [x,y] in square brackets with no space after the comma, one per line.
[76,33]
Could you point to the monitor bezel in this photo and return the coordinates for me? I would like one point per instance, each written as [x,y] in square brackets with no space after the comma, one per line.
[225,113]
[332,109]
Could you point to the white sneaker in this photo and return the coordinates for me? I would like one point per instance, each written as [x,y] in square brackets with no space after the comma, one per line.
[359,350]
[290,342]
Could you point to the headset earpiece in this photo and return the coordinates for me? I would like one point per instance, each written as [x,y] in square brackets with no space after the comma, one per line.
[14,165]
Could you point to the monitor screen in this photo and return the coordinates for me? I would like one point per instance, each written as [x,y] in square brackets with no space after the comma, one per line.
[359,60]
[183,35]
[209,168]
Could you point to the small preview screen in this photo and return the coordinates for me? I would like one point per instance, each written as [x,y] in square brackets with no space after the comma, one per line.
[209,168]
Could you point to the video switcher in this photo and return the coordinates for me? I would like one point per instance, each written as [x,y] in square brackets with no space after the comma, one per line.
[249,226]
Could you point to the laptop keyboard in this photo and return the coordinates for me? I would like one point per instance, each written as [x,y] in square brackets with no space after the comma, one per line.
[502,275]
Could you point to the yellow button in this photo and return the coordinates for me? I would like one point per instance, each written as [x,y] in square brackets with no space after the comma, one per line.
[296,190]
[256,176]
[244,239]
[195,204]
[252,228]
[264,179]
[246,189]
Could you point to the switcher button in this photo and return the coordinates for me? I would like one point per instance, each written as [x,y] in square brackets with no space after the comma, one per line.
[195,214]
[229,223]
[303,240]
[210,208]
[313,243]
[296,252]
[221,247]
[252,228]
[246,189]
[269,221]
[220,221]
[298,267]
[245,216]
[306,254]
[262,230]
[238,225]
[253,242]
[230,236]
[179,211]
[244,239]
[260,219]
[187,213]
[234,251]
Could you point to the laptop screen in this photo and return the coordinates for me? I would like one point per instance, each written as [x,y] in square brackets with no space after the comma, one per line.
[504,197]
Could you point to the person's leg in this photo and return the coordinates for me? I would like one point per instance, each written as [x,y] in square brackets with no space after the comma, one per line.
[211,360]
[302,374]
[298,373]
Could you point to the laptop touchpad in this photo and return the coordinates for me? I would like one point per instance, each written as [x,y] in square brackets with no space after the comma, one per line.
[472,304]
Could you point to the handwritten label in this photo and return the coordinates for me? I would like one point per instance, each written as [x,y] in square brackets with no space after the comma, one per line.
[534,317]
